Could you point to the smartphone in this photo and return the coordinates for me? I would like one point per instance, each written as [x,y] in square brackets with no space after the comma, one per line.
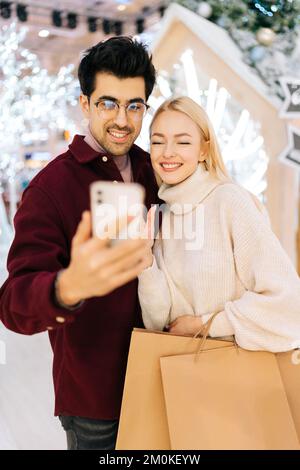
[112,201]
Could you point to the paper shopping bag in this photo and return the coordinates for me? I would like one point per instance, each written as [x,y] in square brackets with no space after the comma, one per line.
[143,422]
[289,366]
[228,398]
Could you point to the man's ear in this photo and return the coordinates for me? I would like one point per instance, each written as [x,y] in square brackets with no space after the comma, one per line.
[85,105]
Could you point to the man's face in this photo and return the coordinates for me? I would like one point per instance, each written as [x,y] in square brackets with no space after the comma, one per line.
[115,132]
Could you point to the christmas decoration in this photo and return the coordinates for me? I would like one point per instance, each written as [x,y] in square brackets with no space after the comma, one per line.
[265,36]
[257,53]
[33,106]
[251,15]
[291,155]
[204,9]
[291,106]
[267,32]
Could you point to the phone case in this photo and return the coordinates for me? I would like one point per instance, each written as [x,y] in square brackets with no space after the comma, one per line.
[115,201]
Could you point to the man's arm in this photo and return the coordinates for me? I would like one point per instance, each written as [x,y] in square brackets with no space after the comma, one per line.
[40,250]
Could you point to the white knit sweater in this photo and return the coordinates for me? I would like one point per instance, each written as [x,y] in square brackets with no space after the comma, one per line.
[240,270]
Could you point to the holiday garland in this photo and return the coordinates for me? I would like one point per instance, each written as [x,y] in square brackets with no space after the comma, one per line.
[281,16]
[266,32]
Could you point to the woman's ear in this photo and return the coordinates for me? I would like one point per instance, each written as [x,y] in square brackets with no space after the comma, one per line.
[204,151]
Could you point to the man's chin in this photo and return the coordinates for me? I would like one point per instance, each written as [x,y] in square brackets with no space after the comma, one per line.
[118,150]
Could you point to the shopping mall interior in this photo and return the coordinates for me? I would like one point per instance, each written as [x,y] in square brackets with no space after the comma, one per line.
[238,60]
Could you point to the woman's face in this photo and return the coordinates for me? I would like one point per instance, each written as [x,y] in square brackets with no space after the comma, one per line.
[175,146]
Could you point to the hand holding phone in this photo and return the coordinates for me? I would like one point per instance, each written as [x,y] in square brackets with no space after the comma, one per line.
[116,203]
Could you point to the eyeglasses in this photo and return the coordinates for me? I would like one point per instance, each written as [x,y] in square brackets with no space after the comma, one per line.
[135,110]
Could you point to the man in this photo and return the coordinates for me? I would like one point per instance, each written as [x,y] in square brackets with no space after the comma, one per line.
[63,280]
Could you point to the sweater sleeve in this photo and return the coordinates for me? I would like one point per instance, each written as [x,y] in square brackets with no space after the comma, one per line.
[267,316]
[154,294]
[39,250]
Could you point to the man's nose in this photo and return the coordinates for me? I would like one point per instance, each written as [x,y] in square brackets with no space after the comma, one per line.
[121,118]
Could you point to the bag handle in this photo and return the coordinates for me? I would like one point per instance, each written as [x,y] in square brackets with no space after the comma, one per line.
[203,333]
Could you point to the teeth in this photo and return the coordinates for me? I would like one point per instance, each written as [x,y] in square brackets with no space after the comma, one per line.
[170,165]
[117,135]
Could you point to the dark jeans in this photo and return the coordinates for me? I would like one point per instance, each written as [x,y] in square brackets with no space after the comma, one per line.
[89,434]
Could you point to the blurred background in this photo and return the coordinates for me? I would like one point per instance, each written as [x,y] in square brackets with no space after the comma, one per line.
[238,59]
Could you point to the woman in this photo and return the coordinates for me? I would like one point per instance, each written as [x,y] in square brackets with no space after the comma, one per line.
[234,266]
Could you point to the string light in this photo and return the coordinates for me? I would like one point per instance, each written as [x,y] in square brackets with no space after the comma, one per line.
[5,10]
[44,33]
[118,28]
[106,26]
[56,18]
[22,13]
[92,24]
[70,19]
[140,25]
[30,107]
[262,9]
[162,10]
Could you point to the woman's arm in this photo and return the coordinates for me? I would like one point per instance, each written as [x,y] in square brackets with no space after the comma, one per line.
[267,316]
[154,294]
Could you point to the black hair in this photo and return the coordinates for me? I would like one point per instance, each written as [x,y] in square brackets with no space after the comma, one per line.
[121,56]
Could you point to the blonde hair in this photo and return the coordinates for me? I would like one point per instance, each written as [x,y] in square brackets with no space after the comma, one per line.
[214,162]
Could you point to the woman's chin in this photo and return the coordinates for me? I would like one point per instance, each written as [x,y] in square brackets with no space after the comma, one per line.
[171,179]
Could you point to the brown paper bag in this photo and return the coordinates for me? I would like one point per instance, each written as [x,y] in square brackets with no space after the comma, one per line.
[143,422]
[289,366]
[227,399]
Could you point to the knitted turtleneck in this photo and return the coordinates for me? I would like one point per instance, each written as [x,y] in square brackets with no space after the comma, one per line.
[237,267]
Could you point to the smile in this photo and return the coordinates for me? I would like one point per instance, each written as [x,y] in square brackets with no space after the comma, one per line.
[118,136]
[170,166]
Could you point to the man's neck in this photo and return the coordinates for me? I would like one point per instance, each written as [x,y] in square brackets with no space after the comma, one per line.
[92,142]
[121,161]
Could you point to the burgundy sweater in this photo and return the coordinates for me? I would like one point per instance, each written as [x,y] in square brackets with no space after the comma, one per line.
[90,344]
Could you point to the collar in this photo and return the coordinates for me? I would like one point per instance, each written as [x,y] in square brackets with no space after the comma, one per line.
[83,153]
[121,161]
[92,142]
[185,196]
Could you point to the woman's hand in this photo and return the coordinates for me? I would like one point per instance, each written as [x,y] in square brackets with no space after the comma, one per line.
[186,325]
[148,259]
[148,234]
